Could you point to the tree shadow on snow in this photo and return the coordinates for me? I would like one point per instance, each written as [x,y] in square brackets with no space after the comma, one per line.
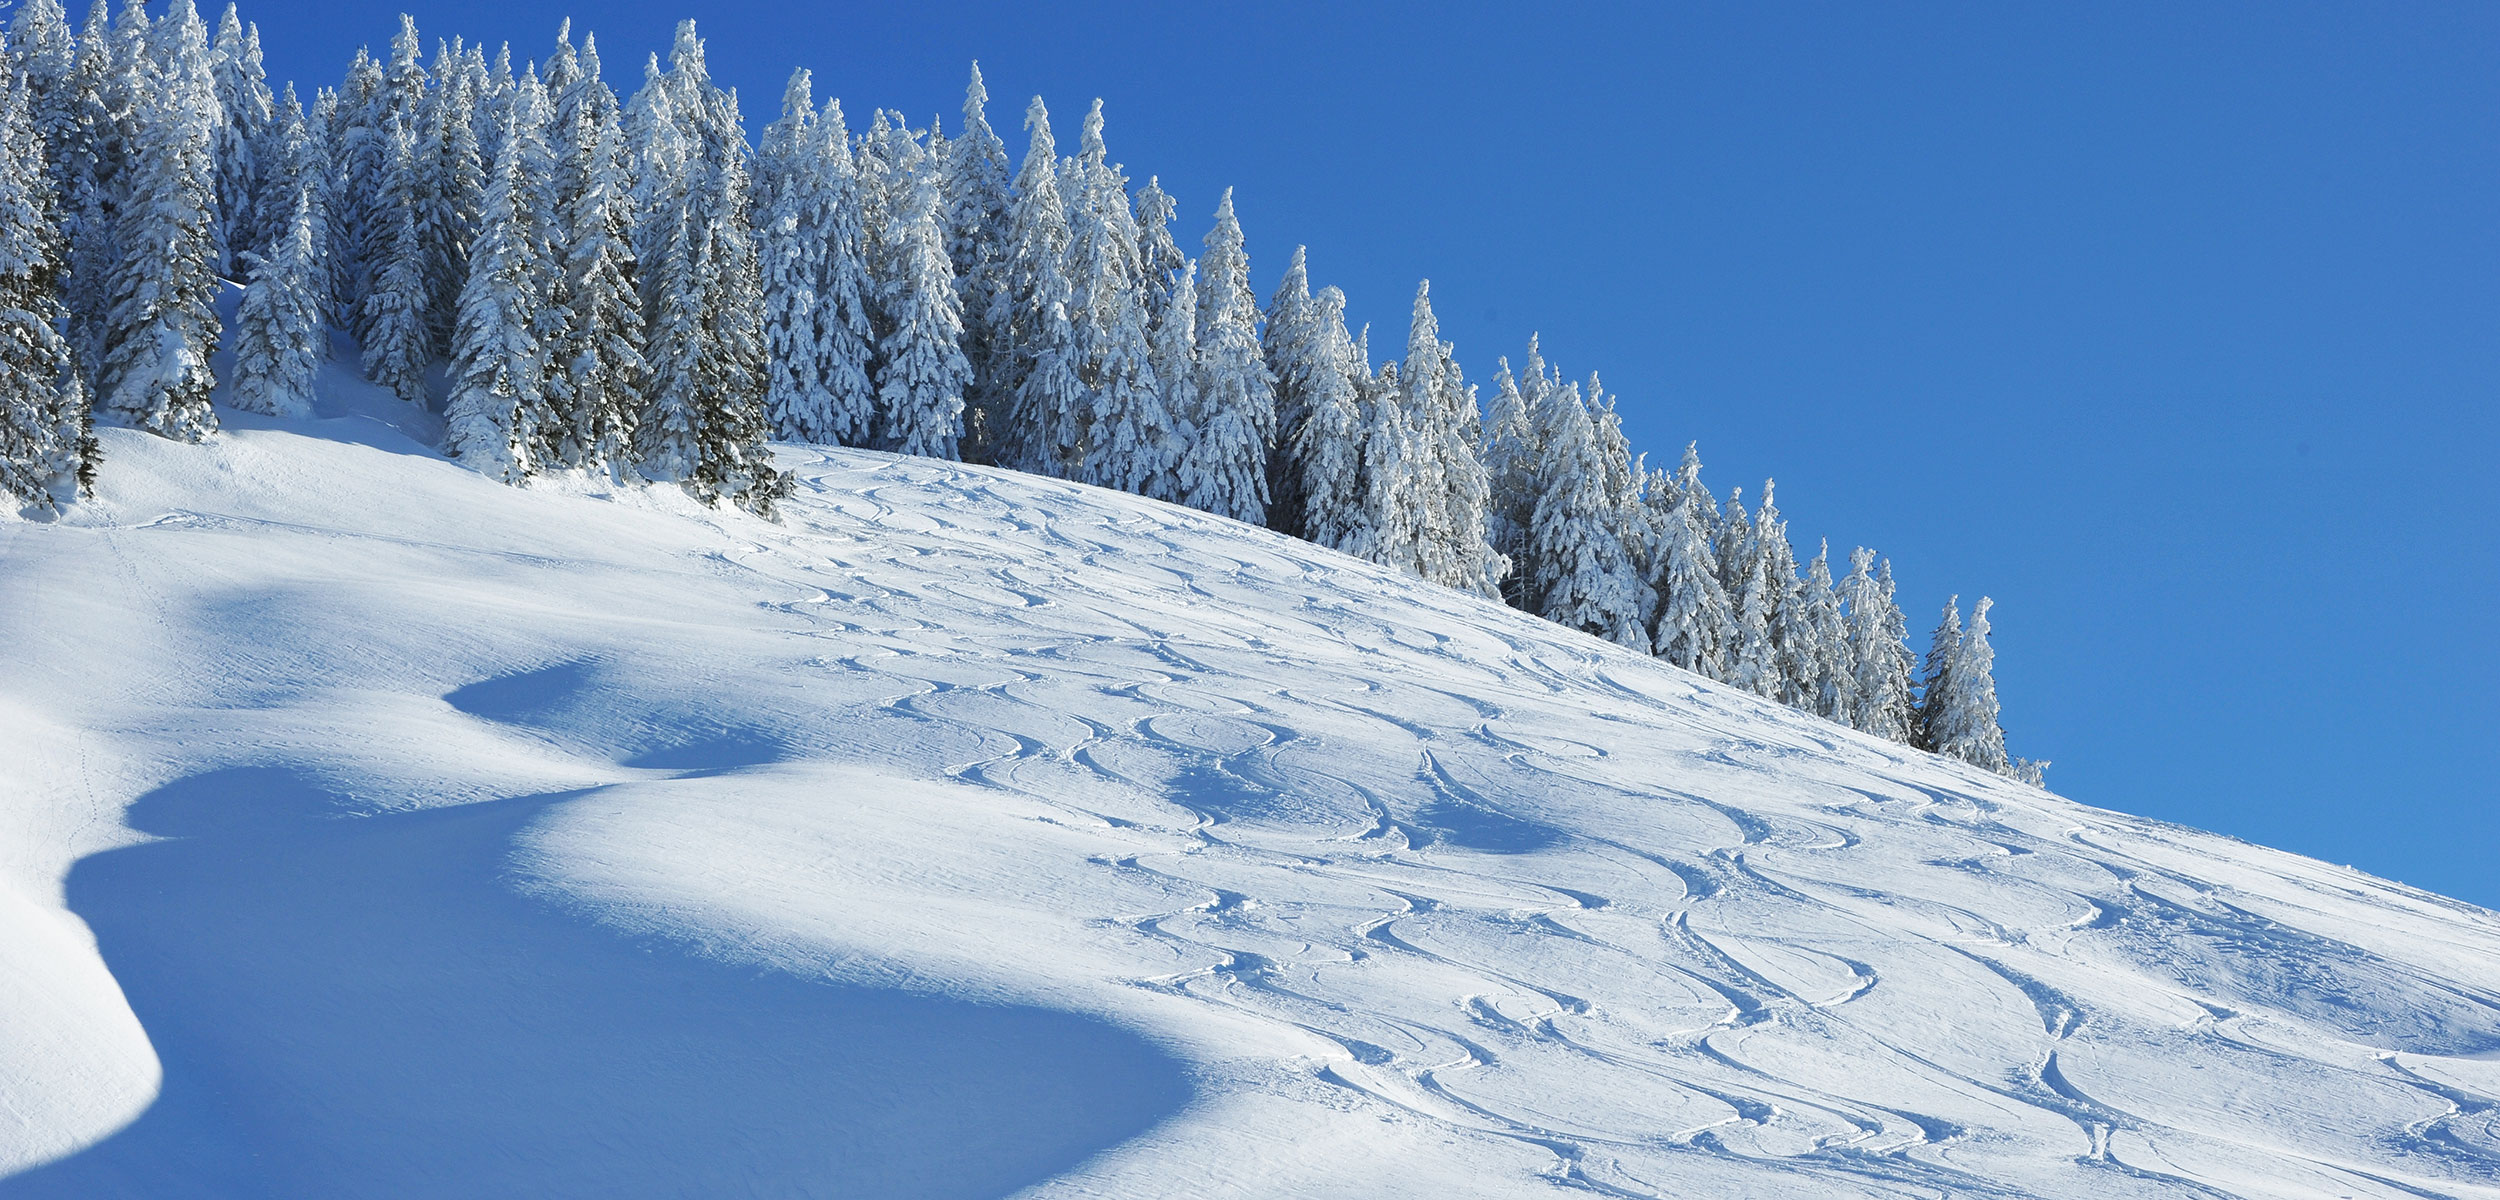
[353,1005]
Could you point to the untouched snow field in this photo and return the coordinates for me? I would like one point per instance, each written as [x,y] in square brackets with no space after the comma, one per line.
[368,828]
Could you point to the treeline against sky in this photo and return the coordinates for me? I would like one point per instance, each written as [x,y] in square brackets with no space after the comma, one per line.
[583,281]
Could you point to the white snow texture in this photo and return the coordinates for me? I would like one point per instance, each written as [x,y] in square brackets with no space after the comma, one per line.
[376,829]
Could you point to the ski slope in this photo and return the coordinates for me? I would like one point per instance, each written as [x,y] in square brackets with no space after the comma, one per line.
[368,828]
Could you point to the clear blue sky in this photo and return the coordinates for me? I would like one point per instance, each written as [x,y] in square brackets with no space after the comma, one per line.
[2174,327]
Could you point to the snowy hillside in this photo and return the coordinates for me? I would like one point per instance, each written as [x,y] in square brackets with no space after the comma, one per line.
[371,828]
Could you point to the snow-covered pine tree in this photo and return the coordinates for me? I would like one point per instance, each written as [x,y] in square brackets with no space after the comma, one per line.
[1935,691]
[1966,725]
[90,202]
[1451,546]
[705,426]
[1583,580]
[1695,619]
[397,341]
[1159,258]
[245,111]
[790,246]
[450,188]
[1392,471]
[977,242]
[1327,447]
[45,56]
[1880,701]
[1287,341]
[1511,460]
[1137,446]
[45,443]
[281,326]
[599,355]
[921,370]
[360,152]
[1813,639]
[844,353]
[164,325]
[1109,311]
[1225,469]
[493,420]
[1048,434]
[1757,660]
[292,160]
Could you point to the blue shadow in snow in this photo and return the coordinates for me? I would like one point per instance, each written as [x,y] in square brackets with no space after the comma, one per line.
[1474,828]
[365,1006]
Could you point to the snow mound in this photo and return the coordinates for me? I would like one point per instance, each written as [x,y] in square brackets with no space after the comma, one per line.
[374,829]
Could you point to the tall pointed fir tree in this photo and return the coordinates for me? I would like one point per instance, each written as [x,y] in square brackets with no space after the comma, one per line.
[1393,478]
[164,325]
[1116,361]
[397,338]
[360,151]
[1935,688]
[1511,454]
[45,443]
[1582,578]
[281,325]
[1814,637]
[245,111]
[845,352]
[1287,342]
[976,215]
[1694,616]
[1965,724]
[1139,449]
[1451,547]
[597,361]
[705,425]
[1159,258]
[1880,698]
[101,84]
[790,244]
[1050,404]
[497,407]
[1225,469]
[921,368]
[450,187]
[1756,661]
[1327,447]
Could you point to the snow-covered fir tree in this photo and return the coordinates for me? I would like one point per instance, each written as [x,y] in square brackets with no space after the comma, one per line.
[360,149]
[1881,701]
[1159,258]
[1959,718]
[163,324]
[596,363]
[1443,429]
[1935,688]
[1394,479]
[1511,458]
[45,445]
[281,327]
[1327,446]
[1573,550]
[976,213]
[921,370]
[1047,433]
[1115,359]
[1694,616]
[1137,447]
[1813,644]
[450,185]
[397,336]
[245,112]
[497,407]
[1287,341]
[1225,469]
[705,425]
[790,211]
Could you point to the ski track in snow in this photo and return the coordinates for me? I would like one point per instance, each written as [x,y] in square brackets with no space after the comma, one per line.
[1432,898]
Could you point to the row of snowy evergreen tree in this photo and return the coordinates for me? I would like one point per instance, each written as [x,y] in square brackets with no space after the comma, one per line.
[627,287]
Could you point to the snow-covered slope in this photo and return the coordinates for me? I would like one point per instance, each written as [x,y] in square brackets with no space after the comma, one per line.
[367,828]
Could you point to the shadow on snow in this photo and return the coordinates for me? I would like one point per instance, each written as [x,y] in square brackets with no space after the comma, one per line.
[367,1006]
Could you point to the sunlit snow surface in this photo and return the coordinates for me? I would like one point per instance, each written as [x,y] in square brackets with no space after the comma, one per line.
[967,832]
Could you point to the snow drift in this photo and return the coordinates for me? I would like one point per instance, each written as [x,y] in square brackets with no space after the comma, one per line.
[371,828]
